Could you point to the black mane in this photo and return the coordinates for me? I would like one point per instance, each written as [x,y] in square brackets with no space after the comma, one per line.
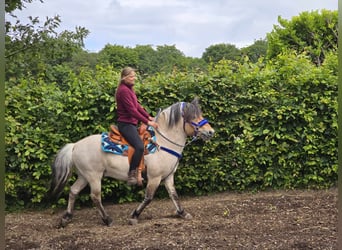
[189,112]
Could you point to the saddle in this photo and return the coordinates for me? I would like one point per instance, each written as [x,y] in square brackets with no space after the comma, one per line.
[116,137]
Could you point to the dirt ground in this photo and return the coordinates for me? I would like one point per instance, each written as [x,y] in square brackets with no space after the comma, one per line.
[265,220]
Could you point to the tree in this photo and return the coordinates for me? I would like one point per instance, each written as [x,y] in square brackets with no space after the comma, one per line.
[11,5]
[217,52]
[165,59]
[84,59]
[35,47]
[312,32]
[147,59]
[169,57]
[118,56]
[256,50]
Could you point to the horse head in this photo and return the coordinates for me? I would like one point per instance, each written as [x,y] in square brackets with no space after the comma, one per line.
[194,123]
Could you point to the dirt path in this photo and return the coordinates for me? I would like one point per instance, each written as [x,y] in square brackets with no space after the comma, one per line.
[266,220]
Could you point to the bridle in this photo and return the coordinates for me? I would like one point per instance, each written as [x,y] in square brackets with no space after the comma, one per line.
[195,125]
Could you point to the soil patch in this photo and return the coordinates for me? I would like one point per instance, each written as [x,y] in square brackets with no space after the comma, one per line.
[294,219]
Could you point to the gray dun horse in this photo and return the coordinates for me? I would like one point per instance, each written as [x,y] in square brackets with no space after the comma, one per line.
[176,123]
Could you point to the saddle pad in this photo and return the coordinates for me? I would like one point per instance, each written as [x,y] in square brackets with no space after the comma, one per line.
[110,147]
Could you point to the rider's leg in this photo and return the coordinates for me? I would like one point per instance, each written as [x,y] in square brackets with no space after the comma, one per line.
[130,133]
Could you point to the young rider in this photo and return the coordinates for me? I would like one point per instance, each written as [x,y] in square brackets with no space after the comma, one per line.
[130,113]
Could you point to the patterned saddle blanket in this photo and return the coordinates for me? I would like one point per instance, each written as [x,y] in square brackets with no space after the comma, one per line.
[120,147]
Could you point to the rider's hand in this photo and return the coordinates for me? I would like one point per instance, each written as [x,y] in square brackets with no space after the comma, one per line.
[153,124]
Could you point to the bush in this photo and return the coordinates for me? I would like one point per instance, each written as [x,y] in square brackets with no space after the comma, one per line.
[275,122]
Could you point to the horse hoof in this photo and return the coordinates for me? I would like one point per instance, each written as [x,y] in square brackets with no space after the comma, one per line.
[187,216]
[184,215]
[132,221]
[62,223]
[108,221]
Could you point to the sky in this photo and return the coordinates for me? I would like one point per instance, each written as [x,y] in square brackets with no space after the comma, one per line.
[190,25]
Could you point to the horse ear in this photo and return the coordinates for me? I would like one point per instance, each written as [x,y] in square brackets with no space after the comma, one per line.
[196,101]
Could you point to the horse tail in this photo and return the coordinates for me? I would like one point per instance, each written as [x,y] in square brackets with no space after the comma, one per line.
[61,169]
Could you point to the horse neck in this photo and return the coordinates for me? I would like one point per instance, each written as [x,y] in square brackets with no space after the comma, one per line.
[175,134]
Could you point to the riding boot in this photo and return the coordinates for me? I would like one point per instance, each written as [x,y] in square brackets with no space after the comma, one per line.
[132,179]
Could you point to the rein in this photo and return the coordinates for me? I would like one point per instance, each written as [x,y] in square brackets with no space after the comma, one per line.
[174,143]
[162,135]
[194,138]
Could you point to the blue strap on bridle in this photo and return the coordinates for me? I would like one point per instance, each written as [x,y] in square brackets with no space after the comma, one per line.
[200,124]
[182,108]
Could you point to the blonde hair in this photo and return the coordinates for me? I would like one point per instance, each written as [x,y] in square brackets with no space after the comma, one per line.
[126,72]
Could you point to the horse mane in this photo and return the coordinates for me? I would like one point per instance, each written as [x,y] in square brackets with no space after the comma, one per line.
[190,112]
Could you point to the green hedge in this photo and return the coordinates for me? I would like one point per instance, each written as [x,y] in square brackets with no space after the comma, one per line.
[276,126]
[275,122]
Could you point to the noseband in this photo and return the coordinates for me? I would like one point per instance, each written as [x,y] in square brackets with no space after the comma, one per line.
[195,125]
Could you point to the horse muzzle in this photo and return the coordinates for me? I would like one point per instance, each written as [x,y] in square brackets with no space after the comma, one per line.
[206,135]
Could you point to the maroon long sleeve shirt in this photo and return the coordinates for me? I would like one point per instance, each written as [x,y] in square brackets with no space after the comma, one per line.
[129,109]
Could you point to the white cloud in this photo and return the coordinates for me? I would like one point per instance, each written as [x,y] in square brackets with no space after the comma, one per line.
[191,25]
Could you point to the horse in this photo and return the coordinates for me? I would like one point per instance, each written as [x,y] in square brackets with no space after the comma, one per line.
[176,123]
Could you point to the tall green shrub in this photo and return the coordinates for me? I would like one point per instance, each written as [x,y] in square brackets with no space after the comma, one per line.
[275,122]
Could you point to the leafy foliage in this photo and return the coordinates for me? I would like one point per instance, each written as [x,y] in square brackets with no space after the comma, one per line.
[255,51]
[217,52]
[33,50]
[275,123]
[312,32]
[11,5]
[118,56]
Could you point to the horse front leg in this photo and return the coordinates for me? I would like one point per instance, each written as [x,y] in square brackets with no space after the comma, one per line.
[170,187]
[151,188]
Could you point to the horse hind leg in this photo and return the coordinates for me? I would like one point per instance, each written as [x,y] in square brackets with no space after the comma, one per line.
[95,195]
[170,187]
[75,189]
